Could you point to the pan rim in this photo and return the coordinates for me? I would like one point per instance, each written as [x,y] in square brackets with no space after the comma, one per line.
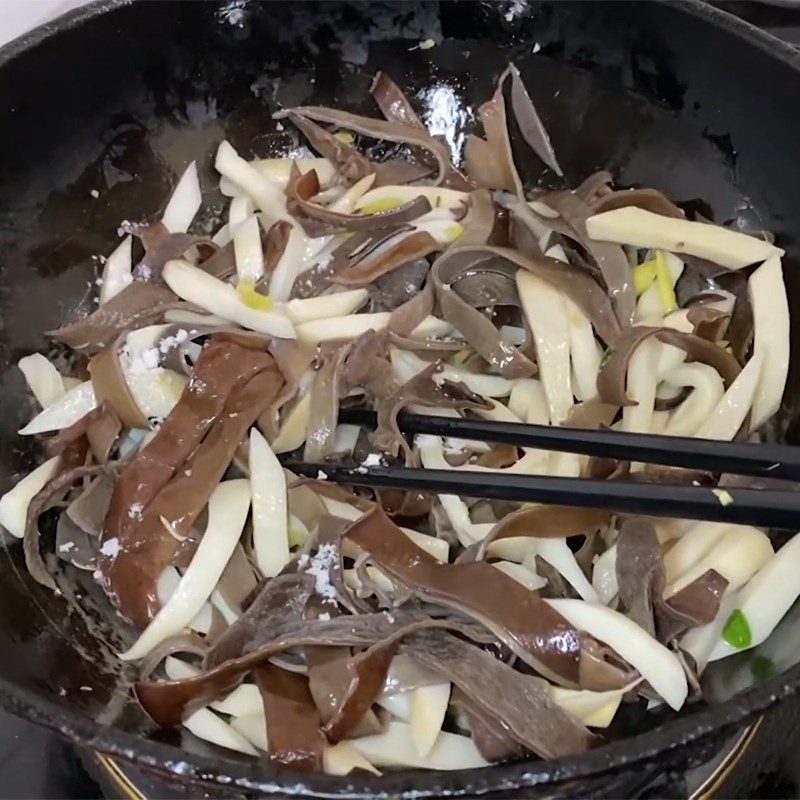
[675,734]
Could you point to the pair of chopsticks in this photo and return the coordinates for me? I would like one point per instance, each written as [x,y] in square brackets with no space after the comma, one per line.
[769,508]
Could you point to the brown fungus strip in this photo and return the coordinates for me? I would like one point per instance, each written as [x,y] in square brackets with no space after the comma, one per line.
[530,125]
[490,162]
[545,522]
[52,494]
[231,387]
[595,187]
[408,247]
[161,246]
[610,258]
[521,703]
[524,622]
[611,379]
[293,734]
[572,281]
[137,305]
[100,424]
[479,331]
[111,386]
[168,702]
[447,174]
[641,580]
[423,390]
[317,220]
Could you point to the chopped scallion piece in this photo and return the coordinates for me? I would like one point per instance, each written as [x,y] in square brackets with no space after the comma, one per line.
[664,280]
[737,630]
[251,298]
[643,276]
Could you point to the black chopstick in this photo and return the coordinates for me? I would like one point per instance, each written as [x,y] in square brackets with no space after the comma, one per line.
[739,458]
[762,507]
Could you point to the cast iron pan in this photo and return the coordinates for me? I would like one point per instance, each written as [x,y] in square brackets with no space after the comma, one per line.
[118,97]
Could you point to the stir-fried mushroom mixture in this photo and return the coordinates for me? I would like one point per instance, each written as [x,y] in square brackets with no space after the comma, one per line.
[328,629]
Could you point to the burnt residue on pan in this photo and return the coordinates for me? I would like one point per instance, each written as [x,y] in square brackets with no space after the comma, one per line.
[645,89]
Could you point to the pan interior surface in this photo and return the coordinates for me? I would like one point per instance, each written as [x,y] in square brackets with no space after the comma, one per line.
[646,90]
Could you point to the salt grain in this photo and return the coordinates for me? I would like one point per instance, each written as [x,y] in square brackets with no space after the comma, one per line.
[320,568]
[110,547]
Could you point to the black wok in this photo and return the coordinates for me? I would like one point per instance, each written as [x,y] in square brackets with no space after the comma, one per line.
[119,97]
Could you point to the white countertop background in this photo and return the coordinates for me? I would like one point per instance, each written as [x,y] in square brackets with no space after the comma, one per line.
[19,16]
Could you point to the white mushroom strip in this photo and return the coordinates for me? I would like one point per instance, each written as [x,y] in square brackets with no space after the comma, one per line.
[14,503]
[632,225]
[270,513]
[267,195]
[738,554]
[278,170]
[641,384]
[156,391]
[428,710]
[291,263]
[556,552]
[691,547]
[656,664]
[700,642]
[167,585]
[294,427]
[604,575]
[247,250]
[346,204]
[205,724]
[353,325]
[240,209]
[730,412]
[384,198]
[593,709]
[771,338]
[530,579]
[184,203]
[768,595]
[546,314]
[44,380]
[340,304]
[395,748]
[217,297]
[407,364]
[227,511]
[64,411]
[707,391]
[343,758]
[117,271]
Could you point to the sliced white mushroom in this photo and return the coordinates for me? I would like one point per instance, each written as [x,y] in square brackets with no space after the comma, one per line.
[156,391]
[117,271]
[438,548]
[514,548]
[291,263]
[325,306]
[738,554]
[529,578]
[656,664]
[228,507]
[407,364]
[343,758]
[184,203]
[387,197]
[247,250]
[593,709]
[700,642]
[244,700]
[395,748]
[270,513]
[604,575]
[428,710]
[547,317]
[253,727]
[221,299]
[240,209]
[771,338]
[768,595]
[346,204]
[222,236]
[292,432]
[641,384]
[167,584]
[205,724]
[44,380]
[278,170]
[267,194]
[14,503]
[345,327]
[730,412]
[707,391]
[691,547]
[64,411]
[642,228]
